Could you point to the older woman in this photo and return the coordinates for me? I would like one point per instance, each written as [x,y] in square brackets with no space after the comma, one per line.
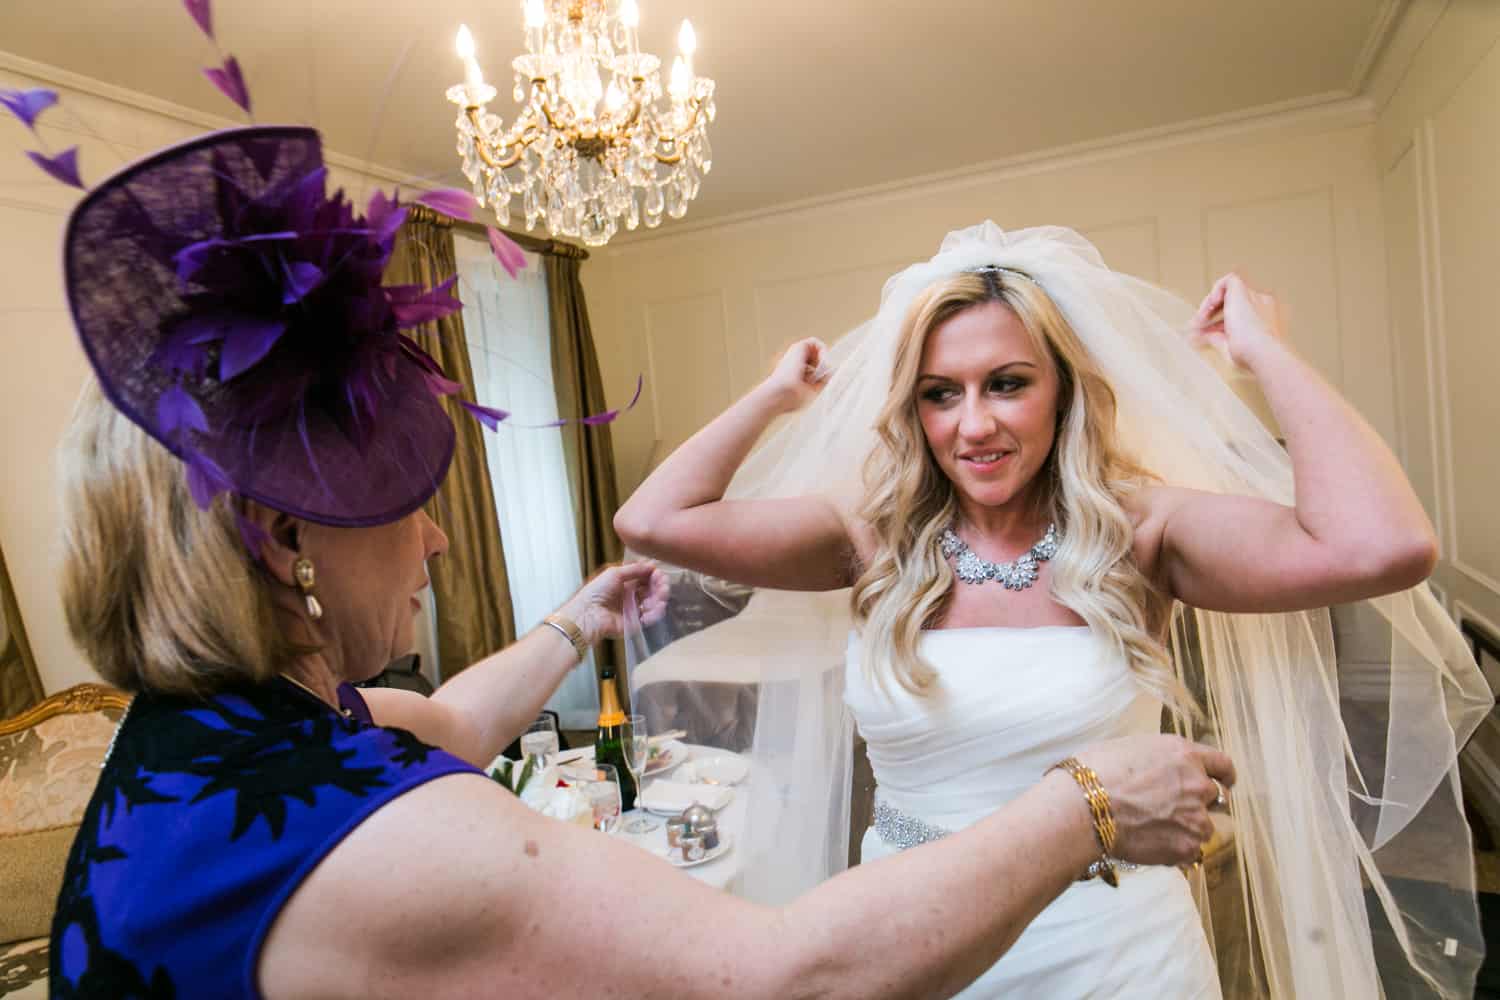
[1016,549]
[245,541]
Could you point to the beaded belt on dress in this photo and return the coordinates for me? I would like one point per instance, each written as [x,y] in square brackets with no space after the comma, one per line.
[902,830]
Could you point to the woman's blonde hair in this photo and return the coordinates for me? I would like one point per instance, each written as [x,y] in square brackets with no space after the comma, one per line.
[159,594]
[910,501]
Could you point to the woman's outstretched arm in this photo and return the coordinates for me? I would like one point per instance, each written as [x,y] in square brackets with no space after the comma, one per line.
[679,515]
[1357,529]
[499,901]
[478,713]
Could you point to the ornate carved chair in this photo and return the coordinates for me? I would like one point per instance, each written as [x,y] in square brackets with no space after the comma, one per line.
[49,763]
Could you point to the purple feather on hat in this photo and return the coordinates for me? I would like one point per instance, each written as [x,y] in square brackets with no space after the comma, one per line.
[62,167]
[415,305]
[230,81]
[27,104]
[510,256]
[202,13]
[487,415]
[452,202]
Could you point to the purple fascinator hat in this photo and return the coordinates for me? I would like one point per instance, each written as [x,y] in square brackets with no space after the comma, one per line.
[235,311]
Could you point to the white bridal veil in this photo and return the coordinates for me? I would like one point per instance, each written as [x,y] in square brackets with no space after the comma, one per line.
[1355,867]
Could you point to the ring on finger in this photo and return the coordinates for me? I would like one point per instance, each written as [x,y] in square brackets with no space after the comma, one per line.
[1221,801]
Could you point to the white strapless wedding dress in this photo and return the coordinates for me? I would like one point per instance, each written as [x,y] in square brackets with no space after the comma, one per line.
[1009,704]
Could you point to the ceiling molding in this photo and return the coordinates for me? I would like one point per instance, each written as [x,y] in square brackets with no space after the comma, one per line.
[1413,23]
[52,75]
[1382,29]
[1333,110]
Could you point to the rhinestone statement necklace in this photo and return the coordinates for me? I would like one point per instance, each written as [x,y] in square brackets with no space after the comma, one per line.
[1017,575]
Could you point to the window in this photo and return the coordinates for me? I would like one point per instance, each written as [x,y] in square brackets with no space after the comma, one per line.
[510,350]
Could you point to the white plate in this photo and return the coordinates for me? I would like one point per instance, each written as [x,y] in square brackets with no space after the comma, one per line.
[704,795]
[675,857]
[672,754]
[714,769]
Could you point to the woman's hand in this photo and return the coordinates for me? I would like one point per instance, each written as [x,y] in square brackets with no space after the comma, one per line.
[1160,789]
[1241,319]
[598,607]
[800,374]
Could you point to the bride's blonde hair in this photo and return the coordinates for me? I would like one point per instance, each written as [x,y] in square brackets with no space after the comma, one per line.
[909,501]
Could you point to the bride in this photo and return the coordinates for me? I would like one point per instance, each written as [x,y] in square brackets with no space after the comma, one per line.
[1023,470]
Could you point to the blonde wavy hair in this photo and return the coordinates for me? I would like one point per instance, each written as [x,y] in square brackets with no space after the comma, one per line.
[909,501]
[159,594]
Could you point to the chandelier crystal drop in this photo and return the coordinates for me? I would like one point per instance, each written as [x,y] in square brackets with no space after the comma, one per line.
[595,143]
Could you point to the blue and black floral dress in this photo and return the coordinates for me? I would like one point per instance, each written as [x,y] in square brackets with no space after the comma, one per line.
[208,815]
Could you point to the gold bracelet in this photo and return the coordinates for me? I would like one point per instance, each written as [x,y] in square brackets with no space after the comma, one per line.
[570,631]
[1104,821]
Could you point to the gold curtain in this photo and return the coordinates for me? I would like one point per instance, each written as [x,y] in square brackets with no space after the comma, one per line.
[469,584]
[588,451]
[20,684]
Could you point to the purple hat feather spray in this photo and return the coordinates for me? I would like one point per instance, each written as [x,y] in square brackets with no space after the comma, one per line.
[235,311]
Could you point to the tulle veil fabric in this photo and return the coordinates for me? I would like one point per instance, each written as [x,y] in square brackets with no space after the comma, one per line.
[1356,871]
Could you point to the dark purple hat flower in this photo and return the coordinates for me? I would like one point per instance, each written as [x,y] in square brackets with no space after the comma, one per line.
[235,311]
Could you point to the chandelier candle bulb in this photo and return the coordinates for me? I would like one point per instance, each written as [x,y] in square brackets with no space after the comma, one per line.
[687,44]
[536,23]
[473,78]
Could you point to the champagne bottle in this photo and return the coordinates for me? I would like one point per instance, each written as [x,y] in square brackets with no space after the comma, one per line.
[609,744]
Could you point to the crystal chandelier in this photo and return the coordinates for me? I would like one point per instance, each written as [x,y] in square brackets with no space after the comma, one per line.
[593,143]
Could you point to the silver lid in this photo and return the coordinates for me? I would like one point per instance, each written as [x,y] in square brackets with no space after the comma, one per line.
[696,815]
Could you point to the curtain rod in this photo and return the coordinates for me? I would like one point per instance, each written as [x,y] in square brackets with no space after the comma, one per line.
[552,248]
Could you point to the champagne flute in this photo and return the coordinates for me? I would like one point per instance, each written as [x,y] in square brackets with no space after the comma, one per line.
[540,740]
[603,792]
[637,747]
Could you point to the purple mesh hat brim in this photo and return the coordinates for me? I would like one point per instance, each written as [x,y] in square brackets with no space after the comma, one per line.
[234,312]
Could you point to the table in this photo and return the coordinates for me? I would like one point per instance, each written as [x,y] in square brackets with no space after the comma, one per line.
[722,872]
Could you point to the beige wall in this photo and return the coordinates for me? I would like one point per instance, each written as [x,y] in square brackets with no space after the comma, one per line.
[1438,148]
[44,368]
[1294,202]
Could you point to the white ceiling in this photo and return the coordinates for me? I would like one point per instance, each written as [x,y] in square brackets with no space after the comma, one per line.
[816,97]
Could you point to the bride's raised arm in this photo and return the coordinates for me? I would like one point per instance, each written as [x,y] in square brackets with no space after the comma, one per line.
[679,515]
[1357,529]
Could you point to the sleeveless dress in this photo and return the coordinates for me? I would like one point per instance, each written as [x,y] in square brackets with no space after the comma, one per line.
[207,817]
[1009,703]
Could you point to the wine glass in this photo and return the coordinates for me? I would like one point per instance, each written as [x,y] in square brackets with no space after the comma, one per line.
[637,747]
[602,789]
[540,740]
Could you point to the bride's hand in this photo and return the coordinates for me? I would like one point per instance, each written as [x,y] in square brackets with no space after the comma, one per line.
[800,374]
[1238,317]
[1160,789]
